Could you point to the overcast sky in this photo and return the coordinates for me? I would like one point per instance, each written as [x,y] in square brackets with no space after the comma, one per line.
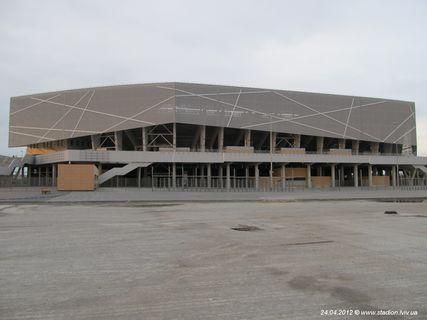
[368,48]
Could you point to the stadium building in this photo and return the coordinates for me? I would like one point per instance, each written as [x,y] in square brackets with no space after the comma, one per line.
[211,137]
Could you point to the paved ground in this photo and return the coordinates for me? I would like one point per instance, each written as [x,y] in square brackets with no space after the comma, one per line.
[182,261]
[134,194]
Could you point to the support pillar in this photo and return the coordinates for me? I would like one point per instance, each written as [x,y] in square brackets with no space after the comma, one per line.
[221,139]
[174,136]
[247,138]
[144,139]
[53,174]
[308,175]
[118,140]
[221,176]
[247,175]
[333,175]
[393,176]
[297,141]
[139,176]
[356,175]
[375,147]
[209,174]
[228,184]
[273,139]
[95,141]
[256,176]
[284,177]
[370,175]
[319,144]
[202,138]
[355,147]
[174,175]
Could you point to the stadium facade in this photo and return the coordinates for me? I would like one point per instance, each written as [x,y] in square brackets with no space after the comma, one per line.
[181,135]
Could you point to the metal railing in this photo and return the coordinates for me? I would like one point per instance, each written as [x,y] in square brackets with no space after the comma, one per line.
[13,181]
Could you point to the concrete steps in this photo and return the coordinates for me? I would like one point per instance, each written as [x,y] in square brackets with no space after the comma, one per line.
[121,171]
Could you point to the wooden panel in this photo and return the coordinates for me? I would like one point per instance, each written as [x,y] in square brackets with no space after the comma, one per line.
[76,177]
[383,181]
[321,181]
[296,172]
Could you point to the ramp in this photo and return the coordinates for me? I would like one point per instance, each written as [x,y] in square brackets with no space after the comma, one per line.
[121,171]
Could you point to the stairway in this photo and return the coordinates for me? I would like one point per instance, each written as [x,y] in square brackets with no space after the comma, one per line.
[422,168]
[121,171]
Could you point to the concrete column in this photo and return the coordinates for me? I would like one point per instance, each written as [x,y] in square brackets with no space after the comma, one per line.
[342,175]
[221,185]
[247,138]
[144,139]
[221,139]
[341,143]
[228,184]
[319,144]
[139,176]
[309,176]
[174,136]
[332,175]
[209,175]
[355,146]
[203,138]
[118,140]
[95,141]
[297,141]
[273,139]
[40,175]
[356,175]
[247,176]
[283,176]
[256,176]
[375,147]
[53,174]
[173,175]
[370,175]
[393,176]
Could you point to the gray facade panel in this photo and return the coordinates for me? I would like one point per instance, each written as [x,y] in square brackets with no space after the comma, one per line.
[73,113]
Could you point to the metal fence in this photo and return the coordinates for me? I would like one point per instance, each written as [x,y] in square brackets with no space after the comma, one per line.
[216,184]
[13,181]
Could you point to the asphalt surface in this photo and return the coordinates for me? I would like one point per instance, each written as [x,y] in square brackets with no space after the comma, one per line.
[102,195]
[184,260]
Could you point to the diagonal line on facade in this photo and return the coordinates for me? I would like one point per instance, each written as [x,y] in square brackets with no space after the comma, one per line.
[406,133]
[327,116]
[51,129]
[30,135]
[93,111]
[83,112]
[62,117]
[139,113]
[256,111]
[234,108]
[34,104]
[348,118]
[395,129]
